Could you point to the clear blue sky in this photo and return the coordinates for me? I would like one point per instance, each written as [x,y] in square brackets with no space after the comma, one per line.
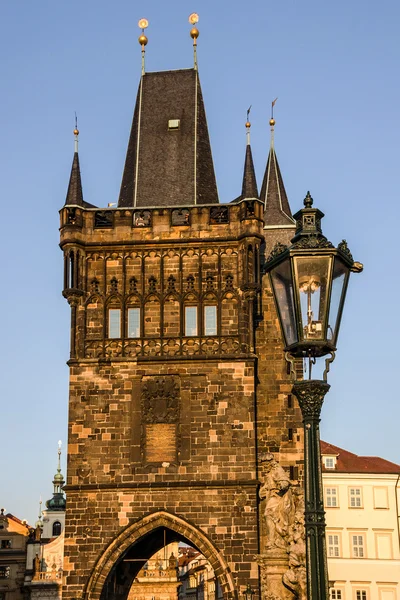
[334,67]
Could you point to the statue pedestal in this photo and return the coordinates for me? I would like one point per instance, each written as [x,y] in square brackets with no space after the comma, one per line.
[273,565]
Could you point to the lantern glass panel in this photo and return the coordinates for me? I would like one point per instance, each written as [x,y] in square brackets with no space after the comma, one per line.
[283,289]
[339,278]
[312,274]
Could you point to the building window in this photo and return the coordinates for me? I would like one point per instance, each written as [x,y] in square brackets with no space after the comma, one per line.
[329,462]
[361,595]
[192,581]
[173,124]
[6,544]
[4,571]
[355,497]
[190,320]
[210,320]
[133,322]
[336,594]
[331,497]
[114,323]
[56,528]
[333,545]
[358,546]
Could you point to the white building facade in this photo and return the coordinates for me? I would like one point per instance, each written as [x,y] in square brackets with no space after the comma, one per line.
[362,499]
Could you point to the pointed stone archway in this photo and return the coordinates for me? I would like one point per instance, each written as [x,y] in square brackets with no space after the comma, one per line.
[152,522]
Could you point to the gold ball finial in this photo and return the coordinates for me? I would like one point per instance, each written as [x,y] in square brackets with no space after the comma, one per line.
[272,122]
[142,39]
[76,131]
[248,124]
[194,33]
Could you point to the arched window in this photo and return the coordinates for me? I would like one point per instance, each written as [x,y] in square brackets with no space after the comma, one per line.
[56,528]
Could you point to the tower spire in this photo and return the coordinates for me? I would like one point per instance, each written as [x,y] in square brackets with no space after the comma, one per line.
[74,193]
[39,522]
[194,34]
[249,185]
[277,211]
[57,502]
[143,24]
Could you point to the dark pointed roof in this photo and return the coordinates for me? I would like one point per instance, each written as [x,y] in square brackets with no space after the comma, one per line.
[249,187]
[74,193]
[273,194]
[169,164]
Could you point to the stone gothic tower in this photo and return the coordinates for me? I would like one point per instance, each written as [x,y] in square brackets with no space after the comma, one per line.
[181,422]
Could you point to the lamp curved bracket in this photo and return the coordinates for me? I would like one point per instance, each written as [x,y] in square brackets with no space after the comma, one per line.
[328,362]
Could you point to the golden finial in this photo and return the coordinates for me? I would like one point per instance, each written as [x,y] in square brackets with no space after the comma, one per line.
[76,133]
[272,121]
[194,34]
[143,24]
[248,125]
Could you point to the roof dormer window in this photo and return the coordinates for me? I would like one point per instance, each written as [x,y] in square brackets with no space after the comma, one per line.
[173,124]
[329,462]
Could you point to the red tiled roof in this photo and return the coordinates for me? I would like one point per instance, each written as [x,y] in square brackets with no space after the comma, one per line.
[347,462]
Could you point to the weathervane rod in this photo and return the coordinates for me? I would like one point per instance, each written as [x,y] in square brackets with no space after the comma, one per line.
[194,34]
[248,126]
[143,24]
[272,122]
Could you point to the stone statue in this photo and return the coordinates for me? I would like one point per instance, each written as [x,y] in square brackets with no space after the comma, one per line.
[277,492]
[36,565]
[295,578]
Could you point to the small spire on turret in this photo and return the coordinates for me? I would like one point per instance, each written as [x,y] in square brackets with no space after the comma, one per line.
[39,522]
[277,211]
[74,193]
[143,24]
[194,34]
[249,185]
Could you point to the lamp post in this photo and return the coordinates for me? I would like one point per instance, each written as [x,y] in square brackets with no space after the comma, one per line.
[309,283]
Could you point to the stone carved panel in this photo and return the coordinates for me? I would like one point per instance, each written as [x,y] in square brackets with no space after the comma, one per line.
[160,399]
[160,418]
[160,442]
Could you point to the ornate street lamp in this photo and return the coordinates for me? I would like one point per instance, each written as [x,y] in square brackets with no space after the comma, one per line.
[309,282]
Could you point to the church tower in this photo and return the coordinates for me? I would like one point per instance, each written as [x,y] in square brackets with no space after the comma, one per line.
[180,405]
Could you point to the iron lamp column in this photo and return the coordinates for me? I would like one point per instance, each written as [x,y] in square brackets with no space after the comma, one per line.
[309,282]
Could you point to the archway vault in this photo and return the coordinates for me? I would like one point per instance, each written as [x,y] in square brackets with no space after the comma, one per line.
[134,532]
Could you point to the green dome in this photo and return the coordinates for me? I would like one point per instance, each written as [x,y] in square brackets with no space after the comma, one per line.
[57,502]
